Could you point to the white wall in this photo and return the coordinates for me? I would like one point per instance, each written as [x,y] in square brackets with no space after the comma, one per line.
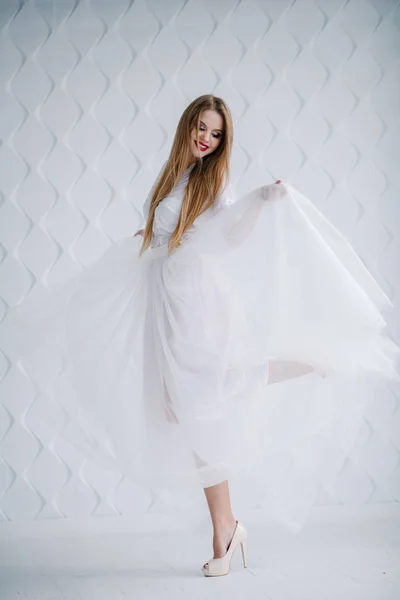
[90,97]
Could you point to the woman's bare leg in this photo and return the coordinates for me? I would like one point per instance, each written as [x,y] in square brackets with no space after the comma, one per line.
[224,523]
[282,370]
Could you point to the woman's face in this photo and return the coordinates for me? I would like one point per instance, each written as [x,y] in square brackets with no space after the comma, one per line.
[208,137]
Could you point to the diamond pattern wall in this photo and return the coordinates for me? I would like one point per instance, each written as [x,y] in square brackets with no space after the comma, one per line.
[91,92]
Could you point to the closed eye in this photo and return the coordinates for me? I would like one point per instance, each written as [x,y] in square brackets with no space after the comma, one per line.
[215,135]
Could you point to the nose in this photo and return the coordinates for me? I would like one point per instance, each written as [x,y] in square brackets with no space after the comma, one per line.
[205,138]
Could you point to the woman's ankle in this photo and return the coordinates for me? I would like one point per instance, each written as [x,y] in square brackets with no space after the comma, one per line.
[223,524]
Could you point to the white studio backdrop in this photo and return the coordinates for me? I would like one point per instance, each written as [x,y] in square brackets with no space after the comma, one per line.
[91,93]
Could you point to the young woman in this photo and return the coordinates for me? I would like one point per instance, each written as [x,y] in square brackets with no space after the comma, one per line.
[165,350]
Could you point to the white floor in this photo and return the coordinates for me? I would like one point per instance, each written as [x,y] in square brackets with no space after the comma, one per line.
[338,556]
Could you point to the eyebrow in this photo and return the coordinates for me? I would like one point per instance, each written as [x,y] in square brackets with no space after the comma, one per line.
[213,129]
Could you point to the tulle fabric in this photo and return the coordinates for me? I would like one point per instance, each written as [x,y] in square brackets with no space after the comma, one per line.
[165,364]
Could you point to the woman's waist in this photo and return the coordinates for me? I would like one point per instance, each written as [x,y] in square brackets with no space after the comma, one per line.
[158,248]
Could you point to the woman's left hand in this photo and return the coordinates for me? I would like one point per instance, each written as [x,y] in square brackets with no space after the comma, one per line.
[274,191]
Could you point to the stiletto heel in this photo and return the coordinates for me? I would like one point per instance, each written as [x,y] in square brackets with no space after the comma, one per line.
[244,553]
[221,566]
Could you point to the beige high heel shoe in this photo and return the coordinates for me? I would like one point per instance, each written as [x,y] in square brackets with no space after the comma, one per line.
[221,566]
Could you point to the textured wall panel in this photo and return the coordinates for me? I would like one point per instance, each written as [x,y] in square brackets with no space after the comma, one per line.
[90,96]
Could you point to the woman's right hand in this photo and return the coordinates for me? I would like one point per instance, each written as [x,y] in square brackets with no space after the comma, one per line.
[140,232]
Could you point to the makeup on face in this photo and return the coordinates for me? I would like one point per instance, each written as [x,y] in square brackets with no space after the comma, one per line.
[209,133]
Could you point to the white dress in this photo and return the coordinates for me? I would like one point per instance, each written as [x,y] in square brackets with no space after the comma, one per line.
[162,362]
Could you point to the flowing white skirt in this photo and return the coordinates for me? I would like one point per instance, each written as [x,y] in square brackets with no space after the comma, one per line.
[165,364]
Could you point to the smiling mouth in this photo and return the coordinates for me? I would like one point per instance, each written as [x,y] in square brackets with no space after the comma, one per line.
[202,147]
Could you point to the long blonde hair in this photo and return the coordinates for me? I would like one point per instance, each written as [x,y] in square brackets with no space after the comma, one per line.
[207,177]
